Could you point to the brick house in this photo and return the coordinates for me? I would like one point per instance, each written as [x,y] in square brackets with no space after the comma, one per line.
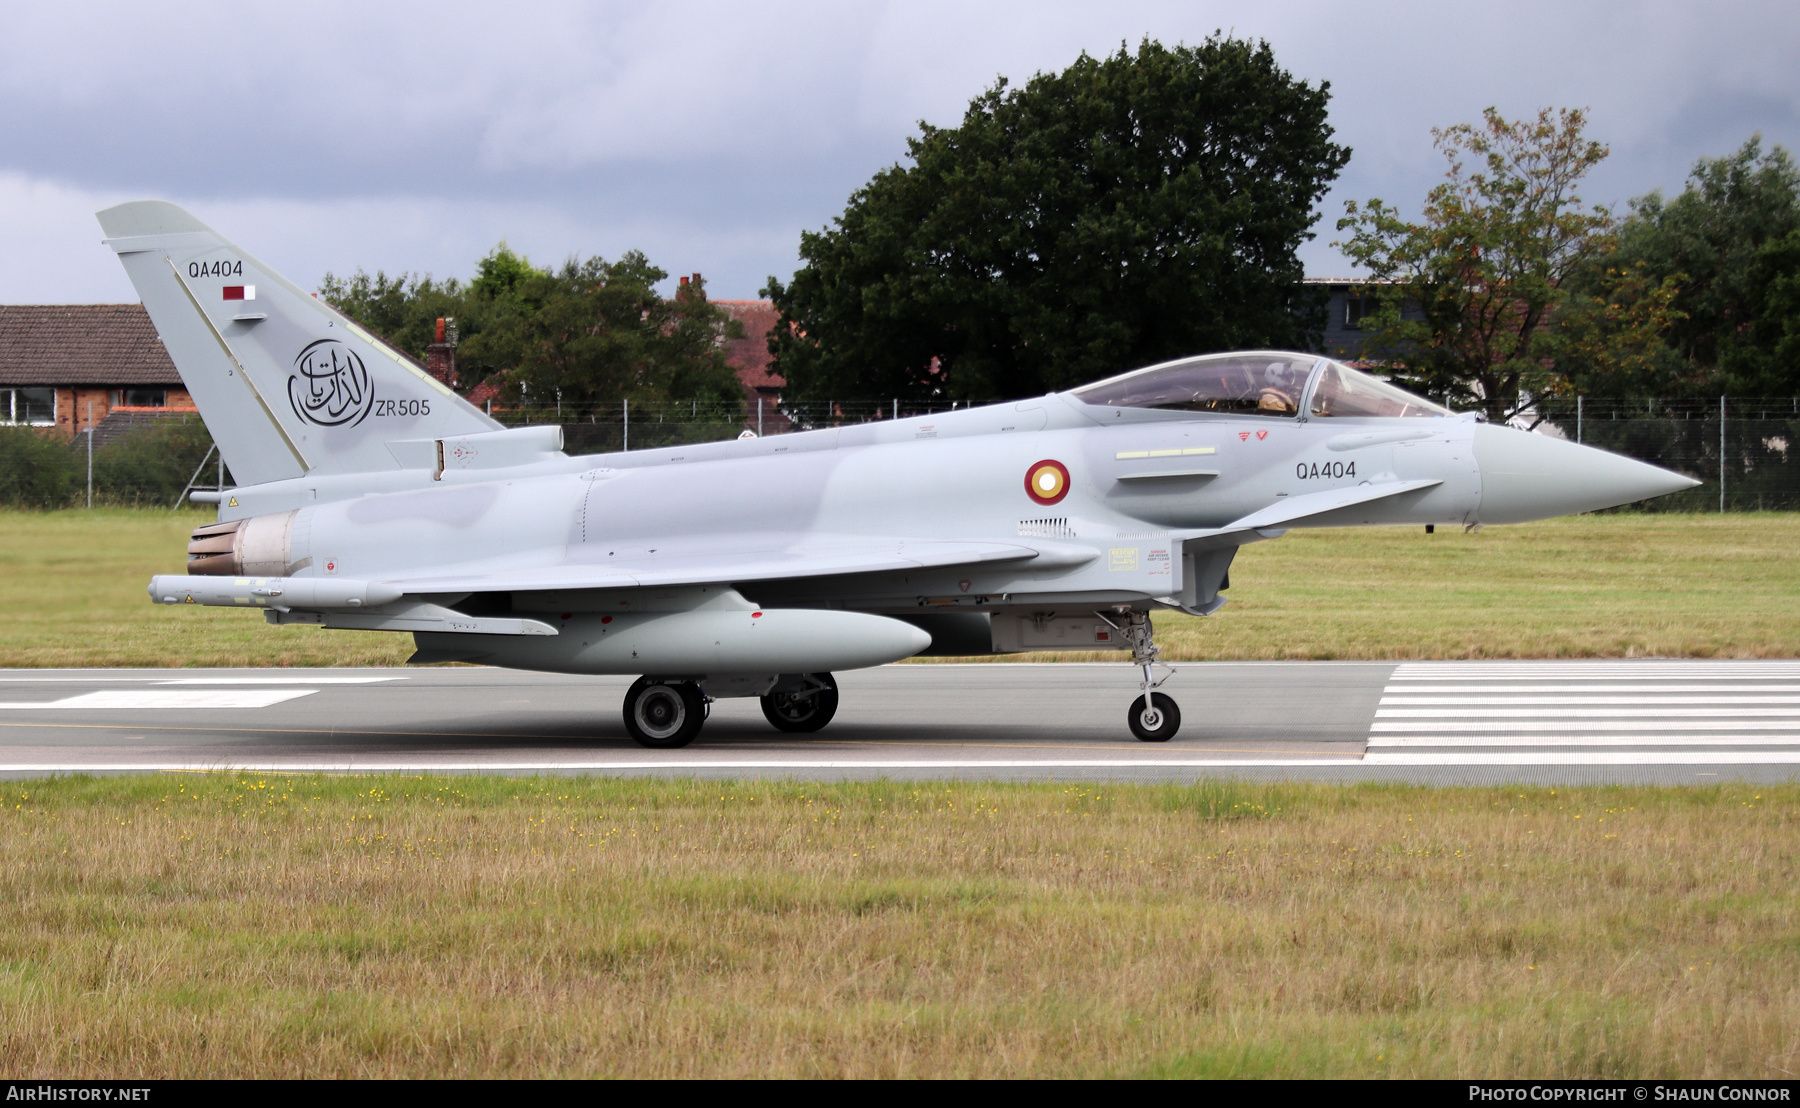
[61,362]
[750,357]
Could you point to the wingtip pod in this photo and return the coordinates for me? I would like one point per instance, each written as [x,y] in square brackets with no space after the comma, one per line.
[138,218]
[1526,476]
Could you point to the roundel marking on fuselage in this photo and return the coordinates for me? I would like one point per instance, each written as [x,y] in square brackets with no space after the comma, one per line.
[1047,482]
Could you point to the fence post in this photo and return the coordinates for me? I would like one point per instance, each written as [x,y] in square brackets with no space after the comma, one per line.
[627,403]
[1721,454]
[759,411]
[1578,413]
[896,407]
[90,435]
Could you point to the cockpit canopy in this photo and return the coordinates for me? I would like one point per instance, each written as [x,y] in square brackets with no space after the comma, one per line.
[1258,384]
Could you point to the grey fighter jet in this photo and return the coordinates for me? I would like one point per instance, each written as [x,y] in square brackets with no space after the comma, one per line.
[373,497]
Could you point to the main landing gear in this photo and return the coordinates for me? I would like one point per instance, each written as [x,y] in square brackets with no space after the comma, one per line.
[665,713]
[1153,717]
[805,708]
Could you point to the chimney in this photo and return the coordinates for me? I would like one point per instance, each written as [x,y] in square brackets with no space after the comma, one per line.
[440,356]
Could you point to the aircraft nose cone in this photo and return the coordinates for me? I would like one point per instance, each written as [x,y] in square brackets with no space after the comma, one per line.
[1526,476]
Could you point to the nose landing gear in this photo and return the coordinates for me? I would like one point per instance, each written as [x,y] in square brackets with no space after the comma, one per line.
[1153,717]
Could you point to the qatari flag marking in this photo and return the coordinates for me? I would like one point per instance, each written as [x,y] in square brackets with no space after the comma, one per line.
[240,292]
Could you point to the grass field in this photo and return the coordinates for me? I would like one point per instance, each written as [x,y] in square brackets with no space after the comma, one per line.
[210,925]
[72,590]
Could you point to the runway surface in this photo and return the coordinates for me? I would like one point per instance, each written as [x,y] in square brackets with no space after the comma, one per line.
[1430,722]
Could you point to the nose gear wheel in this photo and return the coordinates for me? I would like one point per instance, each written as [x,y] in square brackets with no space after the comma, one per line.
[1153,718]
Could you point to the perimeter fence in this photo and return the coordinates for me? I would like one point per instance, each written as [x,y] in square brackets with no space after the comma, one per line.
[1742,449]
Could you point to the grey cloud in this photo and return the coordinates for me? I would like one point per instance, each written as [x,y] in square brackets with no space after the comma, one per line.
[709,135]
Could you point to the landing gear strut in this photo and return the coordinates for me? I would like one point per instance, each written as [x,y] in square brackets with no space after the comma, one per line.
[1153,717]
[663,714]
[804,709]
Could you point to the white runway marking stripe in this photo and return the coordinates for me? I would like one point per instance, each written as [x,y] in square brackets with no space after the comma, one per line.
[1591,671]
[1583,690]
[1517,717]
[1383,742]
[1493,726]
[1586,757]
[1648,700]
[1581,713]
[150,699]
[278,680]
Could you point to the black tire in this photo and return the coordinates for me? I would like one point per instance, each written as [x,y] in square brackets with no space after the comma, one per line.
[803,713]
[1156,722]
[663,715]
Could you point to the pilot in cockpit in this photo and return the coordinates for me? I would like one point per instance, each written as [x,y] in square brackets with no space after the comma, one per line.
[1282,383]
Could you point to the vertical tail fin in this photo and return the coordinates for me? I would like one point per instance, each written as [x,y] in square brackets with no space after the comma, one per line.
[286,384]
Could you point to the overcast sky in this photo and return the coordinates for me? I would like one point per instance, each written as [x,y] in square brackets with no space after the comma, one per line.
[413,136]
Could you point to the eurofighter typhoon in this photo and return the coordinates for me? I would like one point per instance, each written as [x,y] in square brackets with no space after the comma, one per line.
[370,496]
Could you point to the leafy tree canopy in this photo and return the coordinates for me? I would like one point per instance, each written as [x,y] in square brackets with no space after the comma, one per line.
[597,332]
[1127,210]
[1488,267]
[588,334]
[1728,241]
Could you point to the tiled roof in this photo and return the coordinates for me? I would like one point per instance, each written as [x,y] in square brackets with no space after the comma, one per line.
[750,354]
[81,344]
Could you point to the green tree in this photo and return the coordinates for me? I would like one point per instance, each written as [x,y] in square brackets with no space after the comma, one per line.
[492,314]
[1765,359]
[596,332]
[403,310]
[1726,239]
[1609,336]
[1486,264]
[1127,210]
[589,334]
[37,468]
